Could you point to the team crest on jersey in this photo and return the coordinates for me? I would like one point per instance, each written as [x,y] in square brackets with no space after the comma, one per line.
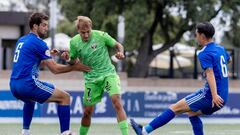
[94,46]
[47,53]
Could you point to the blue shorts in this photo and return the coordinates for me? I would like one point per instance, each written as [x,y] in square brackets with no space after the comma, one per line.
[199,101]
[29,90]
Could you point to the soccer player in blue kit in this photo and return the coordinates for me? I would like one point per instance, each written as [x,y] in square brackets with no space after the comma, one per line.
[209,99]
[30,52]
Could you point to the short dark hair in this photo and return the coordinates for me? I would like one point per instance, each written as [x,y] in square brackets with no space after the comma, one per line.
[206,28]
[36,18]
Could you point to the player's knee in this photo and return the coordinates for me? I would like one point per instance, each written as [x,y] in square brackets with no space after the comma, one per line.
[175,108]
[66,98]
[87,113]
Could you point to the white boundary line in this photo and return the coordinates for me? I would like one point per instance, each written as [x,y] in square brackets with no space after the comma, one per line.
[107,120]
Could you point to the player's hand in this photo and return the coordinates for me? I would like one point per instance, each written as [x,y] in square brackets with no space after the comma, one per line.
[55,52]
[119,55]
[218,101]
[65,55]
[81,67]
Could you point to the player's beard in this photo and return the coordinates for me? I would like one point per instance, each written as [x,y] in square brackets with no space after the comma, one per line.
[42,34]
[85,39]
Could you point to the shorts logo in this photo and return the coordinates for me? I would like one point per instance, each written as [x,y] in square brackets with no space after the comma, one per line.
[89,91]
[108,87]
[88,99]
[47,53]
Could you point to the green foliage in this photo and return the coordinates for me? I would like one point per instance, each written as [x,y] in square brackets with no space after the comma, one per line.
[67,27]
[73,8]
[139,15]
[137,21]
[234,33]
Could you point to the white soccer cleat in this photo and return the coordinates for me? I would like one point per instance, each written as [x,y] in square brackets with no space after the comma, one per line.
[25,132]
[68,132]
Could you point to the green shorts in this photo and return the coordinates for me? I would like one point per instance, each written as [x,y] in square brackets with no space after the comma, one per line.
[94,90]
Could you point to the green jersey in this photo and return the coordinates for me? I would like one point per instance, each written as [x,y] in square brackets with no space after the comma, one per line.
[94,53]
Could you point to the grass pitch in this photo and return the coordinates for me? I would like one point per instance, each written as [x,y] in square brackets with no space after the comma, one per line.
[112,129]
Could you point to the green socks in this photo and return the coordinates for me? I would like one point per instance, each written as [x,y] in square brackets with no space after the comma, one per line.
[83,130]
[123,125]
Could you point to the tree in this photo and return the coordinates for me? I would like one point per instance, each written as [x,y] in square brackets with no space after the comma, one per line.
[147,22]
[233,34]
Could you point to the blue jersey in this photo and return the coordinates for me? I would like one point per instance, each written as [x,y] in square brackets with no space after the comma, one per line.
[216,57]
[30,51]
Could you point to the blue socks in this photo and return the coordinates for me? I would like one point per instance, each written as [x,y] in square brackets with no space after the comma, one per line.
[28,110]
[197,125]
[168,115]
[64,117]
[63,114]
[159,121]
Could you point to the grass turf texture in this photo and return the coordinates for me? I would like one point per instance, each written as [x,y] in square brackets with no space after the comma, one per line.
[112,129]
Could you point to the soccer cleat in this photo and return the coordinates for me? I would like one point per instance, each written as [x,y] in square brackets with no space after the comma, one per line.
[68,133]
[25,132]
[136,127]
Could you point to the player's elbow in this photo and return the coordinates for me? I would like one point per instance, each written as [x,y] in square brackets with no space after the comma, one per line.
[55,72]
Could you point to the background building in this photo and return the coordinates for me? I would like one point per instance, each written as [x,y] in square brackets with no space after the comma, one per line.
[12,26]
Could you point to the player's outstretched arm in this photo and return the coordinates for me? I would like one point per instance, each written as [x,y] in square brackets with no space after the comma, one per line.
[81,67]
[75,64]
[57,68]
[60,68]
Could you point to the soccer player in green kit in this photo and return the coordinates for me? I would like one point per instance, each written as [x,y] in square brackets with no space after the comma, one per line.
[90,47]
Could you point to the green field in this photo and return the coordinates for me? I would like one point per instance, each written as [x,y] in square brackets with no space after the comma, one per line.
[112,129]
